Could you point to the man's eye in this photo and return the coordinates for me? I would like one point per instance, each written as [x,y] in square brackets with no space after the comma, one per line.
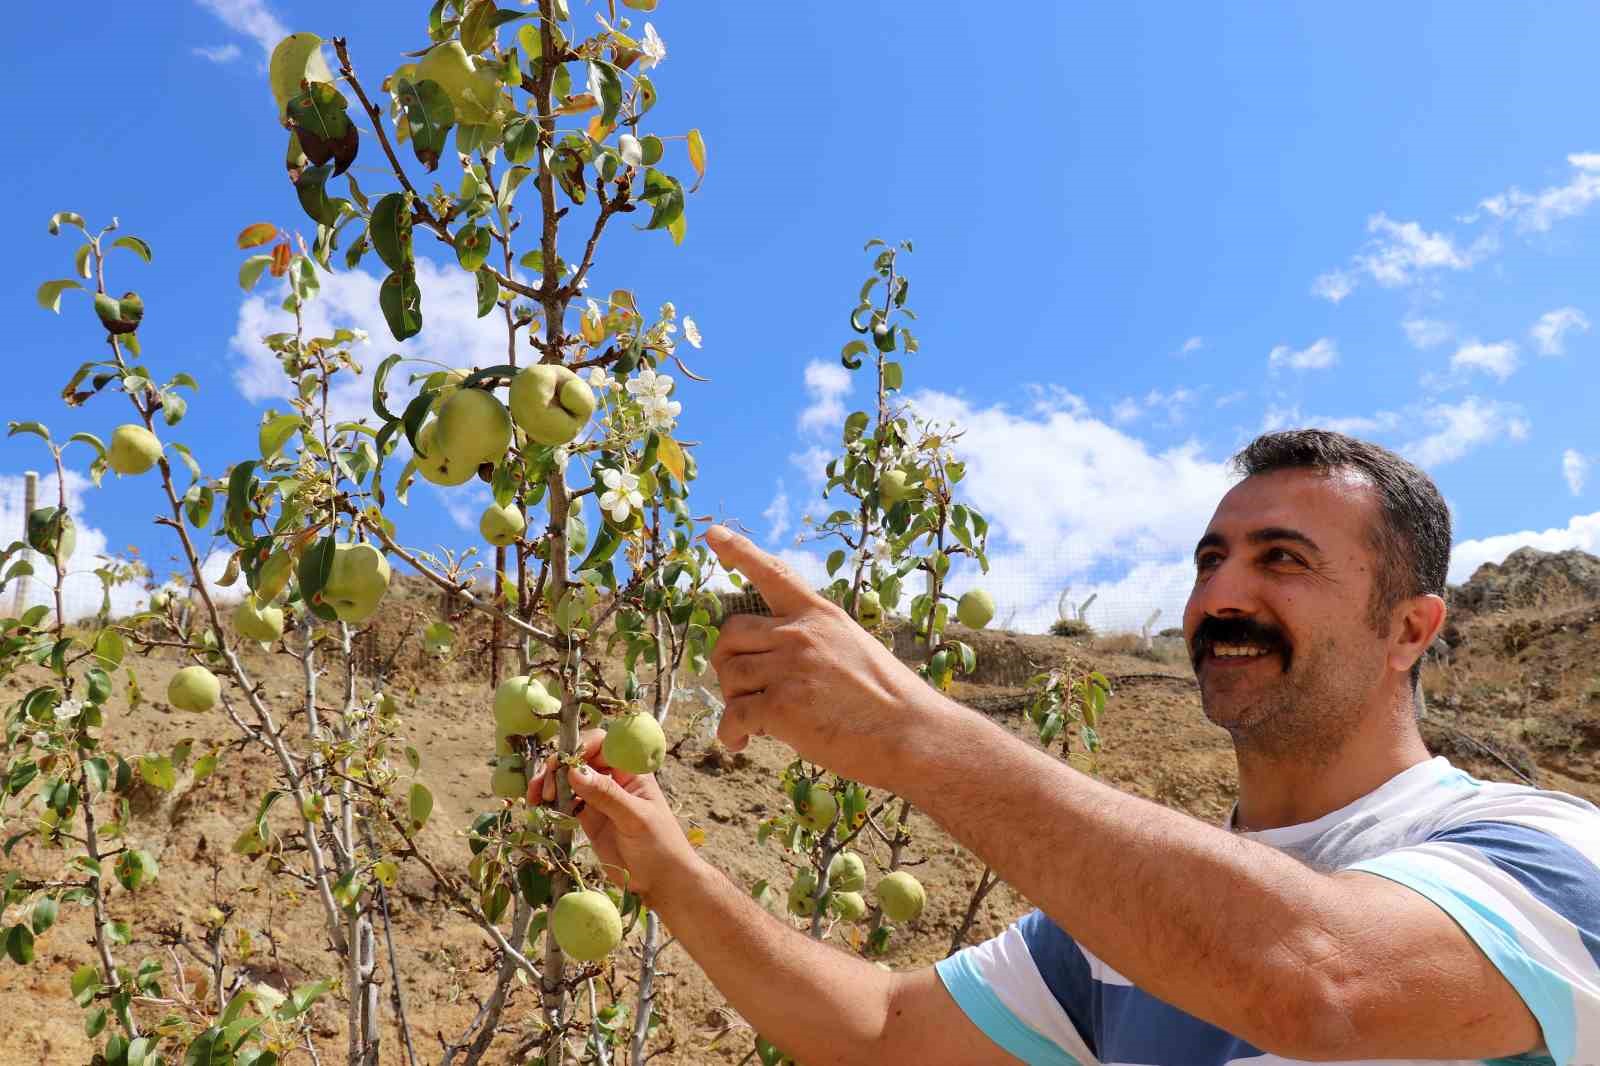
[1282,555]
[1207,562]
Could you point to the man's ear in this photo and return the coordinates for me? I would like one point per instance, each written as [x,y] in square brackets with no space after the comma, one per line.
[1417,622]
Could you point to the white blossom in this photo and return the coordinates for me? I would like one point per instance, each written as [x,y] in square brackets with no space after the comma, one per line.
[661,412]
[653,47]
[622,494]
[594,308]
[668,311]
[599,380]
[691,332]
[360,336]
[67,710]
[41,738]
[650,385]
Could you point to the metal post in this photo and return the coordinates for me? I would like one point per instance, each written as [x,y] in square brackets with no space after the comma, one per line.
[30,499]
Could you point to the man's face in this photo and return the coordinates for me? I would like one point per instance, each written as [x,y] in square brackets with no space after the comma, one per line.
[1277,624]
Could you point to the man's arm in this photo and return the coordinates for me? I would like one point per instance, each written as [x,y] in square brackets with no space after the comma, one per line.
[1229,930]
[816,1003]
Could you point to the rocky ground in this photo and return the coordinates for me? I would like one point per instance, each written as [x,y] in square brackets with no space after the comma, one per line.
[1513,692]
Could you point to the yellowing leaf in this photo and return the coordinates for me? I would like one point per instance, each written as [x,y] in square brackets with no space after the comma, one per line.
[697,156]
[697,837]
[670,456]
[257,234]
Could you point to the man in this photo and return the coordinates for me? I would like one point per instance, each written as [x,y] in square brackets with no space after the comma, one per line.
[1364,902]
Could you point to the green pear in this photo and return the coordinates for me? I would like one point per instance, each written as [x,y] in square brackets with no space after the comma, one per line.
[473,428]
[895,485]
[848,905]
[133,450]
[635,744]
[847,873]
[473,94]
[501,526]
[257,622]
[518,704]
[357,581]
[159,599]
[803,894]
[194,688]
[869,608]
[434,465]
[586,925]
[448,383]
[818,809]
[975,609]
[509,781]
[551,403]
[901,896]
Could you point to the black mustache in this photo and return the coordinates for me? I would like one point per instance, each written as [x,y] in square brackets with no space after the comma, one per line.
[1212,631]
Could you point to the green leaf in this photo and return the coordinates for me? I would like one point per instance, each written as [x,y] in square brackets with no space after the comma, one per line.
[19,944]
[391,230]
[521,140]
[44,915]
[91,440]
[85,983]
[401,301]
[158,772]
[472,246]
[605,546]
[71,218]
[137,245]
[50,293]
[420,803]
[198,503]
[241,487]
[850,355]
[251,269]
[429,114]
[275,432]
[311,188]
[29,427]
[893,374]
[488,291]
[666,195]
[379,379]
[606,85]
[312,573]
[835,560]
[697,157]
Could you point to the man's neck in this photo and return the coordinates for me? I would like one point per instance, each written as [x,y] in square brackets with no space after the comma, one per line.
[1281,790]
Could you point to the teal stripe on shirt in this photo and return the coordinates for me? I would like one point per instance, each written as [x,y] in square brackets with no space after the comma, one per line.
[1546,993]
[973,995]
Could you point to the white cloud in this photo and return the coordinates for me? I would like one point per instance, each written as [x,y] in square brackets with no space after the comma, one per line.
[1499,359]
[827,383]
[1581,532]
[777,514]
[1126,410]
[1425,333]
[1333,286]
[222,53]
[1575,468]
[250,17]
[453,335]
[1537,212]
[1320,355]
[1193,344]
[1459,428]
[1228,399]
[464,504]
[1355,426]
[81,590]
[1550,332]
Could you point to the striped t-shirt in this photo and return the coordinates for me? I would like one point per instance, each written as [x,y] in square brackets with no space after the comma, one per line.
[1517,868]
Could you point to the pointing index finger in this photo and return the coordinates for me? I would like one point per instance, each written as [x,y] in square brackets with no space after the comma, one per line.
[783,589]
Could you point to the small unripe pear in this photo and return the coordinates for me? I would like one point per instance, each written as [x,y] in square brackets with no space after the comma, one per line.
[847,873]
[586,925]
[133,449]
[194,688]
[635,744]
[975,609]
[901,896]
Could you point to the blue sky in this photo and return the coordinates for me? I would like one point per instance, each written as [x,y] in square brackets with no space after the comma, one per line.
[1144,233]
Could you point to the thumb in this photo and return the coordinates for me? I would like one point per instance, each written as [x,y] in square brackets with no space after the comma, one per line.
[602,793]
[783,589]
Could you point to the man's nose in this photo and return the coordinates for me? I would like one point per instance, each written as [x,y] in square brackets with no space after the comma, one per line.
[1228,589]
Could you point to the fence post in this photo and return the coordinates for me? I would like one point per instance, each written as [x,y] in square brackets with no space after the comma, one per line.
[30,494]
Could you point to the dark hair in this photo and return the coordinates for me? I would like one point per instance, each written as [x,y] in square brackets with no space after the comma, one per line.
[1412,535]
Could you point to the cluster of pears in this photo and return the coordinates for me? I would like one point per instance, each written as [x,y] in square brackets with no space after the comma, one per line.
[900,895]
[550,405]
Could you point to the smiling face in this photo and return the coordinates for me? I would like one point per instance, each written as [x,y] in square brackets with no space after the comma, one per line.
[1279,624]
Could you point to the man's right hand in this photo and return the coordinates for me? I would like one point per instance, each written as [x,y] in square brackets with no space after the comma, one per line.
[626,819]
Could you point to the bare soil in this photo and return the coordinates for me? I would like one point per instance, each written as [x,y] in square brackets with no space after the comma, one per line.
[1519,695]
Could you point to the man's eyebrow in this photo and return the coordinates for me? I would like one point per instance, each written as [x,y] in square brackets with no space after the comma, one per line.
[1259,536]
[1273,533]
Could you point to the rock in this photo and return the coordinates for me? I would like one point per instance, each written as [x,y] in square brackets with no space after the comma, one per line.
[1530,578]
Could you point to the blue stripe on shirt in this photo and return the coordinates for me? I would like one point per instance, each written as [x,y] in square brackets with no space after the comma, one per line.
[1545,992]
[973,995]
[1553,871]
[1066,973]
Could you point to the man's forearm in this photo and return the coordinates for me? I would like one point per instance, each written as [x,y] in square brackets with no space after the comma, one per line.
[816,1003]
[1207,921]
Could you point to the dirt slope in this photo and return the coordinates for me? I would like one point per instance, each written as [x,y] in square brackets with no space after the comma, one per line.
[1516,695]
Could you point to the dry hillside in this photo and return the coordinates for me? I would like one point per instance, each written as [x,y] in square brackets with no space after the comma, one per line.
[1513,692]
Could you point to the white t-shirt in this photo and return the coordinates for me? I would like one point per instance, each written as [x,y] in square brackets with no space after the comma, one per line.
[1517,868]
